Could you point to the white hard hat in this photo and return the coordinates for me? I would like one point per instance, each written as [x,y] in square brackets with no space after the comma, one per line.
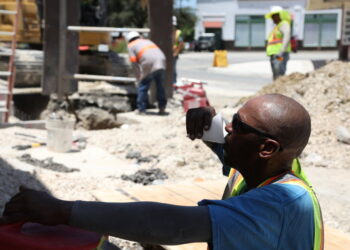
[174,20]
[131,35]
[274,10]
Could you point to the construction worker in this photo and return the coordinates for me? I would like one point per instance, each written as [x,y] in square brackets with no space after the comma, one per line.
[278,43]
[266,204]
[178,45]
[149,65]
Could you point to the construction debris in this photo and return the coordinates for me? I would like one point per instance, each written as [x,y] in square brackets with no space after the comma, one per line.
[343,135]
[47,164]
[92,118]
[146,176]
[325,93]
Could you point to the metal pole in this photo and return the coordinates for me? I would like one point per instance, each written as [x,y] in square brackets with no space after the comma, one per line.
[62,46]
[104,78]
[106,29]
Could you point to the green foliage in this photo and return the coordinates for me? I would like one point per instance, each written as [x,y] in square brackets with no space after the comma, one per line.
[127,13]
[186,20]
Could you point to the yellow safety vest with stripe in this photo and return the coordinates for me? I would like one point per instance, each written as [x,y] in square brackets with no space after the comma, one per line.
[141,50]
[177,39]
[275,41]
[237,186]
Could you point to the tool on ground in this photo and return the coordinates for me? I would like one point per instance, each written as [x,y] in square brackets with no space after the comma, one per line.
[194,95]
[24,147]
[31,138]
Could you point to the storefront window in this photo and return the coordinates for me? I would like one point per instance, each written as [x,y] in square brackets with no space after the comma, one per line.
[250,31]
[320,30]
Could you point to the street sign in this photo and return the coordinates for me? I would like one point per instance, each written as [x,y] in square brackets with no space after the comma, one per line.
[346,27]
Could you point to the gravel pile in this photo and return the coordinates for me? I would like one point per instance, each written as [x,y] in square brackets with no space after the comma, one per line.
[325,93]
[146,176]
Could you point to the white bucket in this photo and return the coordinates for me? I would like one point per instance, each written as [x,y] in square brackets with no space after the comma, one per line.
[59,134]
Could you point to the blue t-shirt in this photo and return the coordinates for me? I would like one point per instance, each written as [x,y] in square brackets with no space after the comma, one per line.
[275,216]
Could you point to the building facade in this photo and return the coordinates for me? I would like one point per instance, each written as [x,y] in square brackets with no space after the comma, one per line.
[240,24]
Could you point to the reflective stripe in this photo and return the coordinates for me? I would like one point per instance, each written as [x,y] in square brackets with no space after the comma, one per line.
[275,41]
[144,49]
[133,59]
[141,51]
[318,222]
[238,185]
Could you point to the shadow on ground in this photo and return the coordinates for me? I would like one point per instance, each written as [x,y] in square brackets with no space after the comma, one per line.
[11,179]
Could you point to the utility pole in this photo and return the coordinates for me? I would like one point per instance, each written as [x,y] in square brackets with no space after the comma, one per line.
[344,48]
[160,16]
[60,47]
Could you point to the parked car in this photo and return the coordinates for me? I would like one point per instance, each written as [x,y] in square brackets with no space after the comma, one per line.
[206,41]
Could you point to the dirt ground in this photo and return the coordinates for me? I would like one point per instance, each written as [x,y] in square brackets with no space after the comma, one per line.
[152,141]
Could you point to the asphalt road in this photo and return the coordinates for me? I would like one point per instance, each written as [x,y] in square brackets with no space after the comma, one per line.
[232,86]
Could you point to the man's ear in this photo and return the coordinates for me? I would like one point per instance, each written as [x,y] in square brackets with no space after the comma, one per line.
[269,148]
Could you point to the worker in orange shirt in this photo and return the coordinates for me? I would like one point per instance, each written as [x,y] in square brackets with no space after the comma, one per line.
[149,65]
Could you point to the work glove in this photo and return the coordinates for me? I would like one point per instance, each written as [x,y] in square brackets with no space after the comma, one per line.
[36,206]
[198,120]
[280,54]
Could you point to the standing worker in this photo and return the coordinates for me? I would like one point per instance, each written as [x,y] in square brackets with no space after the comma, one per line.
[278,43]
[178,45]
[149,64]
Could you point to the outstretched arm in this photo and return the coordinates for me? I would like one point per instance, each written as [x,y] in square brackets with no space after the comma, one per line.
[146,222]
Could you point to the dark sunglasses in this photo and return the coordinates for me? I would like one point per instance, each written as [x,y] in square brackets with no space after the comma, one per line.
[240,126]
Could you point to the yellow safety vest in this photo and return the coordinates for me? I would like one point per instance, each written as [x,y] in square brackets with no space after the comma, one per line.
[275,41]
[239,185]
[177,39]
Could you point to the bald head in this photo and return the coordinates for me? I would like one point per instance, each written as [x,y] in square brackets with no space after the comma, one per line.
[282,117]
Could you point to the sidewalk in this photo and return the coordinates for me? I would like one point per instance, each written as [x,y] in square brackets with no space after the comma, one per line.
[262,68]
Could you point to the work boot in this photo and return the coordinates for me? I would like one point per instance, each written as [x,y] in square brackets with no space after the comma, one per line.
[162,111]
[140,112]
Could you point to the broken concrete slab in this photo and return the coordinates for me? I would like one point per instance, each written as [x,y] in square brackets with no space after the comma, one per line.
[91,161]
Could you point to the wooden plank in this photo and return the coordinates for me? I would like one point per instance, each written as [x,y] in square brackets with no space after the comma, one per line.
[335,239]
[108,196]
[159,194]
[192,246]
[192,192]
[215,187]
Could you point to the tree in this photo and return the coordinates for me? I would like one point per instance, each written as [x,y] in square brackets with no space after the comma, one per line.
[186,20]
[127,13]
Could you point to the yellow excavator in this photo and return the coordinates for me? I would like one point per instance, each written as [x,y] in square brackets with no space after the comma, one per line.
[29,54]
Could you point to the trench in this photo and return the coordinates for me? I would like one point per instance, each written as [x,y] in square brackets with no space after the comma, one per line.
[94,110]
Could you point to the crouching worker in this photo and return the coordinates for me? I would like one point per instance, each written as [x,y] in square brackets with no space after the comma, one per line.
[149,65]
[266,204]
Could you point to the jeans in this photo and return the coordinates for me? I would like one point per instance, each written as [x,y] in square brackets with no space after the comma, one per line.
[174,69]
[144,85]
[279,67]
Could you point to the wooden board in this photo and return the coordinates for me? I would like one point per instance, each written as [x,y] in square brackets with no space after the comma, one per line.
[188,194]
[336,240]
